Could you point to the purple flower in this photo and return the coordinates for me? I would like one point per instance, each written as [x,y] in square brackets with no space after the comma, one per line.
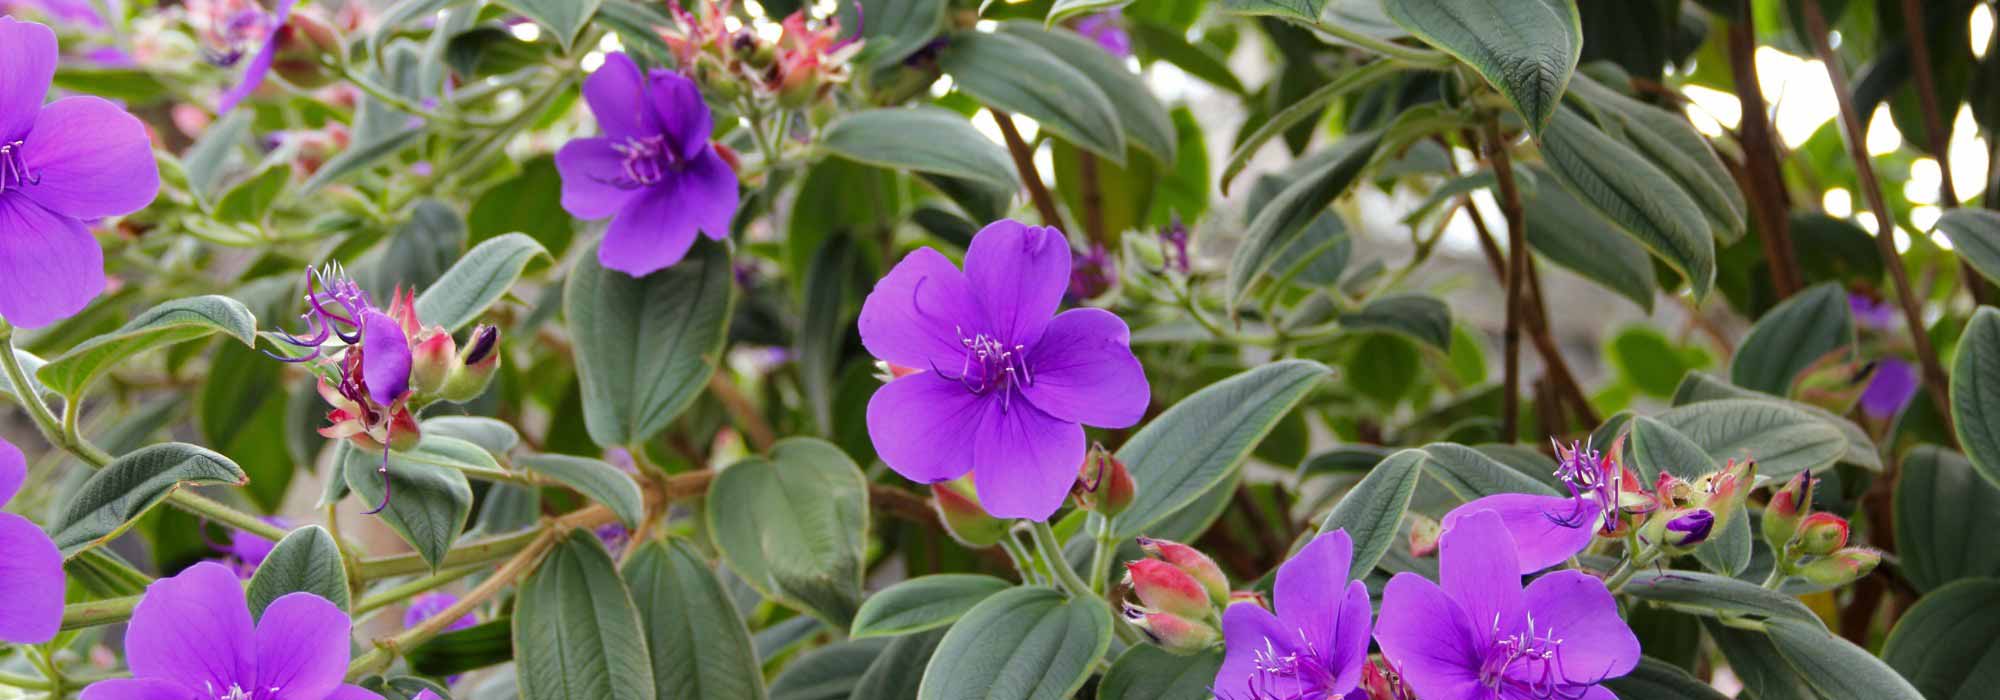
[78,12]
[192,637]
[31,574]
[1551,529]
[1175,236]
[230,28]
[62,164]
[1094,274]
[246,551]
[1871,313]
[1316,644]
[1480,636]
[653,172]
[432,604]
[1108,30]
[1001,388]
[1890,386]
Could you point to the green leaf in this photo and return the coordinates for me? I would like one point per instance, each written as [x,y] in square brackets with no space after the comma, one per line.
[1065,9]
[828,673]
[645,347]
[1279,224]
[1658,680]
[923,603]
[173,322]
[430,499]
[1794,335]
[1946,644]
[1147,672]
[1573,235]
[1672,143]
[1013,74]
[1382,367]
[564,18]
[1631,193]
[1419,317]
[894,29]
[208,159]
[898,673]
[1023,644]
[1173,47]
[129,486]
[358,156]
[1717,596]
[600,481]
[248,201]
[470,649]
[306,561]
[489,434]
[30,365]
[477,280]
[1835,666]
[1526,49]
[1975,393]
[1205,437]
[134,86]
[1783,440]
[1942,510]
[794,525]
[922,139]
[1766,674]
[1657,447]
[1645,357]
[1700,386]
[700,648]
[1975,235]
[240,415]
[576,631]
[1469,474]
[1295,112]
[1145,120]
[1306,11]
[824,325]
[530,202]
[1372,512]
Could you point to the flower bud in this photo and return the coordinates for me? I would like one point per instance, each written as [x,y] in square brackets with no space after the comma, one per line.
[1842,567]
[1251,597]
[476,367]
[1822,534]
[1163,587]
[1192,561]
[1424,534]
[963,518]
[1788,506]
[431,363]
[1383,682]
[1103,485]
[1172,633]
[1689,528]
[303,46]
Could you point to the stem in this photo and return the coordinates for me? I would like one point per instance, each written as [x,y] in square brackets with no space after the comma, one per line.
[1052,555]
[391,596]
[1885,228]
[1939,135]
[755,429]
[99,612]
[1762,181]
[1024,163]
[1024,563]
[1101,556]
[481,552]
[1517,275]
[1093,199]
[24,682]
[1394,51]
[387,649]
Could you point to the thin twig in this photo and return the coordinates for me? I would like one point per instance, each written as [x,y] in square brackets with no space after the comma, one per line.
[1764,185]
[1517,274]
[1939,135]
[755,428]
[1093,199]
[1024,163]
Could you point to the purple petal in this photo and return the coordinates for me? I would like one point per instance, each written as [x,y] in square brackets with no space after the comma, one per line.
[430,605]
[136,689]
[355,692]
[1430,640]
[1311,585]
[1019,273]
[1540,541]
[1350,639]
[194,629]
[677,103]
[50,266]
[920,314]
[1084,371]
[260,65]
[94,159]
[1889,388]
[28,50]
[31,583]
[922,426]
[302,646]
[708,190]
[385,357]
[617,97]
[1477,567]
[1247,630]
[1576,608]
[589,167]
[1024,461]
[13,471]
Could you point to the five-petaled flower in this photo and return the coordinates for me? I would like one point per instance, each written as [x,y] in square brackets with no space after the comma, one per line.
[62,166]
[1002,389]
[1315,645]
[31,573]
[653,171]
[1480,636]
[192,637]
[1551,529]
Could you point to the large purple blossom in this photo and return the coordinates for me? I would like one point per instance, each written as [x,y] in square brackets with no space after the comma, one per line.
[1315,645]
[31,573]
[1002,389]
[1551,529]
[62,165]
[230,28]
[1480,636]
[192,637]
[653,171]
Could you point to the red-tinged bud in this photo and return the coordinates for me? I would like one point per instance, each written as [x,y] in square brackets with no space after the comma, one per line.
[431,362]
[1788,507]
[304,46]
[1424,534]
[1843,567]
[729,157]
[1103,485]
[963,518]
[1383,682]
[1821,534]
[1172,633]
[1250,597]
[475,368]
[1163,587]
[403,308]
[1193,562]
[1724,491]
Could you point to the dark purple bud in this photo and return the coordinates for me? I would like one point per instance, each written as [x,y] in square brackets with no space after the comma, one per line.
[1690,528]
[484,339]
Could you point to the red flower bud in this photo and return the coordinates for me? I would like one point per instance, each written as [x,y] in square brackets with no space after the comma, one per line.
[1789,506]
[962,516]
[1173,633]
[1103,484]
[432,361]
[1193,562]
[1822,534]
[1842,567]
[1165,588]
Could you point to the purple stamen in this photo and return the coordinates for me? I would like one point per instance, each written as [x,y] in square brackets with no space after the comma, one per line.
[14,172]
[647,161]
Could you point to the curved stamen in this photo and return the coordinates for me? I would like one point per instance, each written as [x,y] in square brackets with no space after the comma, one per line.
[14,173]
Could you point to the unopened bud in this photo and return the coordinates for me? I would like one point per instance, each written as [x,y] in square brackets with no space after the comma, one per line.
[476,367]
[304,44]
[1383,683]
[1163,587]
[1789,506]
[1822,534]
[1192,561]
[431,363]
[963,518]
[1424,534]
[1103,485]
[1689,528]
[1172,633]
[1842,567]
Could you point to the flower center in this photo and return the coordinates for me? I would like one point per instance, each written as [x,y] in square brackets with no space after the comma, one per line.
[647,161]
[14,168]
[229,28]
[1593,492]
[236,692]
[1531,663]
[1301,674]
[992,364]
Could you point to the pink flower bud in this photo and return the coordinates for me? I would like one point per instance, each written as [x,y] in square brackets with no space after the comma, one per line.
[1163,587]
[1173,633]
[432,361]
[1789,506]
[303,44]
[1103,484]
[1842,567]
[1424,534]
[1193,562]
[475,368]
[962,516]
[1822,534]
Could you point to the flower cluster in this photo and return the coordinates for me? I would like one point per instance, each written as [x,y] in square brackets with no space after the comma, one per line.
[1550,529]
[799,68]
[1180,592]
[1809,544]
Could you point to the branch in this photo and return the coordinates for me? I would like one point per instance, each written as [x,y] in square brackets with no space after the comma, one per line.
[1024,163]
[1764,185]
[1517,274]
[755,428]
[1938,134]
